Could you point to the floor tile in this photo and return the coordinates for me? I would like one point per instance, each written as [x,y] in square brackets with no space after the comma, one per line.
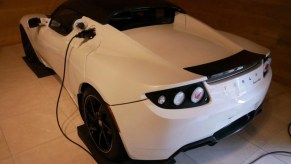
[268,159]
[15,73]
[51,85]
[15,50]
[276,89]
[16,77]
[4,149]
[22,99]
[57,151]
[28,130]
[262,128]
[279,142]
[11,57]
[279,107]
[7,161]
[182,158]
[69,108]
[232,149]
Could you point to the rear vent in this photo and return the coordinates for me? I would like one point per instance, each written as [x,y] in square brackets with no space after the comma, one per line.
[228,67]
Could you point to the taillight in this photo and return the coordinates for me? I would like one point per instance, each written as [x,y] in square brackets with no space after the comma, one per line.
[267,65]
[181,97]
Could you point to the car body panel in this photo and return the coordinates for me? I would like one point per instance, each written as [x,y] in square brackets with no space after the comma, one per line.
[186,38]
[127,68]
[167,131]
[125,65]
[127,60]
[177,42]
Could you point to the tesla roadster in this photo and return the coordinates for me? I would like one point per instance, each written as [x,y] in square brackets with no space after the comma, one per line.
[152,80]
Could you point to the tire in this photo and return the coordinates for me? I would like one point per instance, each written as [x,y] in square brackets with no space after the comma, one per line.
[28,49]
[101,126]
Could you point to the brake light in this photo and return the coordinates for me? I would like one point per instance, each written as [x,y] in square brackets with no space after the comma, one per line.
[181,97]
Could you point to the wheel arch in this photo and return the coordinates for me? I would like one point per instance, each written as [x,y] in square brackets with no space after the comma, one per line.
[82,100]
[86,85]
[83,86]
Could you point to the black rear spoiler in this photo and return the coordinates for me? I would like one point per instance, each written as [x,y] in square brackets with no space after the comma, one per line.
[229,66]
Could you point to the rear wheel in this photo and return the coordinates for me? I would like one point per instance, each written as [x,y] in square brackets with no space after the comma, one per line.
[101,126]
[28,49]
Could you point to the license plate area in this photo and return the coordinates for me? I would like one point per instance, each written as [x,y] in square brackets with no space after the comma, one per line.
[242,84]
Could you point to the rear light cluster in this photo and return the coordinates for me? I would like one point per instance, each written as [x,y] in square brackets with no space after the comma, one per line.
[181,97]
[267,65]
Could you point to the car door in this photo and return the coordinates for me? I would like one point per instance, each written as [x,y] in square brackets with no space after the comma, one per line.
[54,38]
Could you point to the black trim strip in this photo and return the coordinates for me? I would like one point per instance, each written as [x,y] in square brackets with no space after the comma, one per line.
[226,131]
[237,125]
[228,66]
[128,102]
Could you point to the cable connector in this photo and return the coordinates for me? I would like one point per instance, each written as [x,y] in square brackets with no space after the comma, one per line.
[87,34]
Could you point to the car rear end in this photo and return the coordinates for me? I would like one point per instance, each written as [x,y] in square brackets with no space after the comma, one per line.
[158,127]
[185,115]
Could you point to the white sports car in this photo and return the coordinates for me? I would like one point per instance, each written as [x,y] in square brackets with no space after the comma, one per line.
[153,81]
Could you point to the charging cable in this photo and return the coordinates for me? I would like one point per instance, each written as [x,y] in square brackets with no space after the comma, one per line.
[86,34]
[275,152]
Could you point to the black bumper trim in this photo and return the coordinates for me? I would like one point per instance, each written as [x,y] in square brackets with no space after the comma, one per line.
[226,131]
[236,125]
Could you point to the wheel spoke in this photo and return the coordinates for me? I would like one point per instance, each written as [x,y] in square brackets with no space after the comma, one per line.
[99,138]
[91,116]
[105,138]
[96,118]
[92,106]
[107,127]
[91,112]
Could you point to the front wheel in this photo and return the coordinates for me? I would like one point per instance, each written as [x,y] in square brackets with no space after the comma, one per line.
[101,126]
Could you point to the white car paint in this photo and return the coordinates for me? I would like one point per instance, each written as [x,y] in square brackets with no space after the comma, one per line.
[118,65]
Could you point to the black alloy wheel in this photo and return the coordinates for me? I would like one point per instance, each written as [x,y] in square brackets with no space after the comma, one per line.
[98,125]
[28,49]
[101,126]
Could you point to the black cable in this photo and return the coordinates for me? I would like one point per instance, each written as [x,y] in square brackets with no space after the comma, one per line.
[273,152]
[57,106]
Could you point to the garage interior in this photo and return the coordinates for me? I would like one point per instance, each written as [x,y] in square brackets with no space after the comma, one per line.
[28,128]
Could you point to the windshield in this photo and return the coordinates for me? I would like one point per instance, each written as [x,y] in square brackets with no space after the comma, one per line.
[141,17]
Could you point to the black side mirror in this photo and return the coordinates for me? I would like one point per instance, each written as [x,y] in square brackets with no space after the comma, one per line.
[34,22]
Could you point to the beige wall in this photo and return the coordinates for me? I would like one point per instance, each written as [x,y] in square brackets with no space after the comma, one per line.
[11,12]
[267,22]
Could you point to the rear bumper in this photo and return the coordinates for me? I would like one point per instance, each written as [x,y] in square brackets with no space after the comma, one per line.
[152,133]
[224,132]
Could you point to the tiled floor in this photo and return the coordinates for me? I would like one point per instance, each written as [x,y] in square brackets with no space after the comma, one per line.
[29,133]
